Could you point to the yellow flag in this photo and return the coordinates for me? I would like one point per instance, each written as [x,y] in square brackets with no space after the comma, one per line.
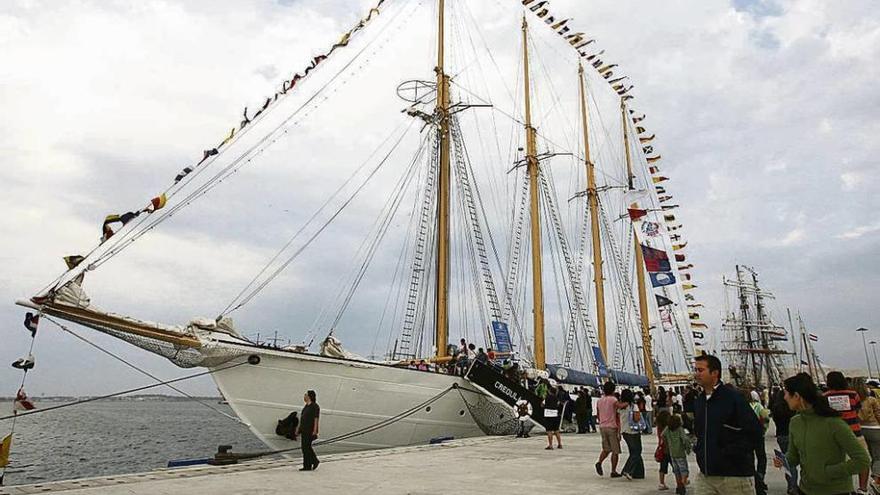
[4,450]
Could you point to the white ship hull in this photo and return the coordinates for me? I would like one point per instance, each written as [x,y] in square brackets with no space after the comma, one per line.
[352,394]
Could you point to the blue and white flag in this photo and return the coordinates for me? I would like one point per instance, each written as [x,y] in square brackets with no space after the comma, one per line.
[660,279]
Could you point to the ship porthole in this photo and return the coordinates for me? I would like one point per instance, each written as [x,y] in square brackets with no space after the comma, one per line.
[461,413]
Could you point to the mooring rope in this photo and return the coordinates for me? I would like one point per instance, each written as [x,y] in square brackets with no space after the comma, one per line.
[362,431]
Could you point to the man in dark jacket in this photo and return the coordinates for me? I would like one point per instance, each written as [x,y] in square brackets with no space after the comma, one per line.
[727,433]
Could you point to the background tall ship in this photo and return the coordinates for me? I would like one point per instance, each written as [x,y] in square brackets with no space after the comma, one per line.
[514,200]
[752,343]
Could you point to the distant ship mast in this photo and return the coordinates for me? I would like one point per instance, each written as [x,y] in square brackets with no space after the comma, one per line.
[750,338]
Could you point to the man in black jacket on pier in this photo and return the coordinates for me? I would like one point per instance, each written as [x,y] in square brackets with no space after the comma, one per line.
[727,432]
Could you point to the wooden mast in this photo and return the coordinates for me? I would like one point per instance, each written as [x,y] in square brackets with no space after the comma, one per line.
[532,168]
[593,202]
[441,301]
[640,261]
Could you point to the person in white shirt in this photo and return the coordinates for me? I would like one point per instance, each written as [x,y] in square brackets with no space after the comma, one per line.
[649,412]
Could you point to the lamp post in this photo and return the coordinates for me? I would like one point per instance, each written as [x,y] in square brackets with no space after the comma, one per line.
[873,344]
[865,345]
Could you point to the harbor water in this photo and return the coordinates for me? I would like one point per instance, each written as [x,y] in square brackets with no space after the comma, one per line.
[120,436]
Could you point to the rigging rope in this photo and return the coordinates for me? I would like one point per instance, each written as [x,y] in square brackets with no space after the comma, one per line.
[124,392]
[147,373]
[132,234]
[250,295]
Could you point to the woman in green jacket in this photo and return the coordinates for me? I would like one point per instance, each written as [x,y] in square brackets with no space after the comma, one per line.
[820,442]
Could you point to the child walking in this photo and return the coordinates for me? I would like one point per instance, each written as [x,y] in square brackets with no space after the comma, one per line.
[678,445]
[661,455]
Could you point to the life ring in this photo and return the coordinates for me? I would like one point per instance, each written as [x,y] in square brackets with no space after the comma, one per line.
[522,409]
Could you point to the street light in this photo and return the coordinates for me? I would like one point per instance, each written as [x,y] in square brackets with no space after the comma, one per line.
[874,349]
[865,345]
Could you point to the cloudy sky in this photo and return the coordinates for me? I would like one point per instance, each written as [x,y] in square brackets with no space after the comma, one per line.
[764,112]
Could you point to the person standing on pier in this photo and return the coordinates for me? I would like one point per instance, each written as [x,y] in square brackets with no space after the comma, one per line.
[824,447]
[632,425]
[609,428]
[727,433]
[308,429]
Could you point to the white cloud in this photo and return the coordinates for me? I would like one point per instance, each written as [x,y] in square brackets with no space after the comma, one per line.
[851,180]
[859,231]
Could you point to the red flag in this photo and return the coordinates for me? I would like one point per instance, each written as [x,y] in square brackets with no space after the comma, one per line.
[22,403]
[635,213]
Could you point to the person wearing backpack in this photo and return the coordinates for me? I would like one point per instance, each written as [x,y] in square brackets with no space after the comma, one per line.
[763,415]
[678,444]
[632,424]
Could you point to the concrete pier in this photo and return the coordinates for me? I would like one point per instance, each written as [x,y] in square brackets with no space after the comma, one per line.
[492,464]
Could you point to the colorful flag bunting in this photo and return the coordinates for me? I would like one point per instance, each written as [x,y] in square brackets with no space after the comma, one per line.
[659,179]
[651,229]
[660,279]
[662,301]
[646,139]
[814,337]
[232,133]
[5,447]
[636,213]
[679,247]
[73,261]
[669,218]
[679,258]
[652,159]
[666,319]
[157,203]
[31,322]
[656,260]
[183,173]
[111,219]
[22,403]
[697,324]
[688,286]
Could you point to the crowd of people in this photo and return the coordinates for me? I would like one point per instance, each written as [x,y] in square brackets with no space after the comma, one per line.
[825,436]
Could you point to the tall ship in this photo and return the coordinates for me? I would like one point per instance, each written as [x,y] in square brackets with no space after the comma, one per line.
[753,345]
[504,191]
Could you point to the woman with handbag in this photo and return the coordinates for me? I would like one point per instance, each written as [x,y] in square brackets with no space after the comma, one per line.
[632,424]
